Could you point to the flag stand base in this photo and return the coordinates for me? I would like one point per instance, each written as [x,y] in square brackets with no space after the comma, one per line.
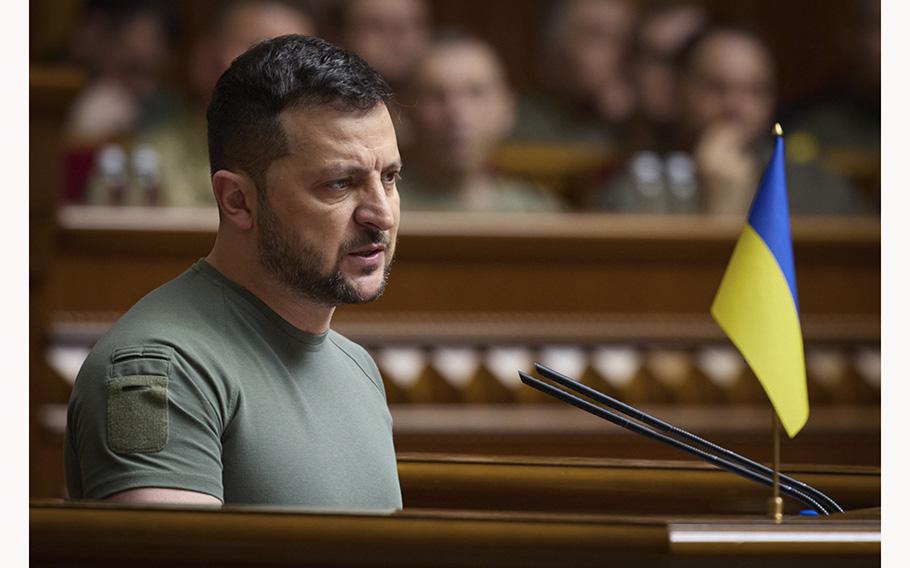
[776,509]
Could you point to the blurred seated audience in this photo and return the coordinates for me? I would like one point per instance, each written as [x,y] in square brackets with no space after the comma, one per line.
[169,164]
[842,123]
[664,29]
[726,89]
[586,96]
[848,113]
[124,47]
[461,108]
[390,35]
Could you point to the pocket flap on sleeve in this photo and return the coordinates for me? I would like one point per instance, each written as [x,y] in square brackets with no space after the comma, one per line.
[137,420]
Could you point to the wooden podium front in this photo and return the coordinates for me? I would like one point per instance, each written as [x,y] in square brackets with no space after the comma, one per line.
[481,511]
[107,535]
[615,486]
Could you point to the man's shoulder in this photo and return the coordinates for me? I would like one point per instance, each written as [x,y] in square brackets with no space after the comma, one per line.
[181,306]
[359,355]
[177,317]
[351,348]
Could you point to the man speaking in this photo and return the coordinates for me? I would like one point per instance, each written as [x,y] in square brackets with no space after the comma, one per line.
[226,385]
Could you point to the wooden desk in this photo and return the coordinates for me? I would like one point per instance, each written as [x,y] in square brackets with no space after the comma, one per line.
[108,535]
[615,486]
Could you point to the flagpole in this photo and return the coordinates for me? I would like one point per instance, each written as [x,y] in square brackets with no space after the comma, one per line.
[776,503]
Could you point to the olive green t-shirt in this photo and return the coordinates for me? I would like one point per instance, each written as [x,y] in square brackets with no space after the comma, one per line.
[202,387]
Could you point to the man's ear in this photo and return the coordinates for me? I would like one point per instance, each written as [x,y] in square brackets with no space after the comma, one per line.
[236,197]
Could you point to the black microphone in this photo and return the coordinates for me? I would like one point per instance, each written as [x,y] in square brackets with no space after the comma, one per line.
[670,428]
[740,465]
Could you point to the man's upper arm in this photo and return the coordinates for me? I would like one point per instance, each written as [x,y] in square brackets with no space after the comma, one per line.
[163,495]
[143,417]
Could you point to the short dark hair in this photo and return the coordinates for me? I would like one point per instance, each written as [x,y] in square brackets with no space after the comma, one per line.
[291,71]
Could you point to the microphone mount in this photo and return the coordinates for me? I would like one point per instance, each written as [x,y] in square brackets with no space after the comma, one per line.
[651,427]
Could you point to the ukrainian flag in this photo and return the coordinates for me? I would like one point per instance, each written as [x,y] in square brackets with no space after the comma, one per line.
[756,304]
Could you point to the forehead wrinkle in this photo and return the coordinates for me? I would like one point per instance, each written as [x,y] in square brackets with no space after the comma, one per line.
[341,144]
[359,155]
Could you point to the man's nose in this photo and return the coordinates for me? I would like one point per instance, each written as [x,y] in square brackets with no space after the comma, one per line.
[377,207]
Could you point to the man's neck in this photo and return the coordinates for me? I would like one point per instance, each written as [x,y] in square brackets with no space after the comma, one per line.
[246,271]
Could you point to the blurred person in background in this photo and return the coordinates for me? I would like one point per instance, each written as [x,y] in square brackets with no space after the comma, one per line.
[170,159]
[848,113]
[662,32]
[461,108]
[586,95]
[391,35]
[726,105]
[124,47]
[842,123]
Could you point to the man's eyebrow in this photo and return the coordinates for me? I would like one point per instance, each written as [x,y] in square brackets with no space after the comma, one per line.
[353,170]
[343,170]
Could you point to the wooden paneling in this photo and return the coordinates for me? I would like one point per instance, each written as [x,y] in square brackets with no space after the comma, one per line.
[460,264]
[612,486]
[844,436]
[50,93]
[104,535]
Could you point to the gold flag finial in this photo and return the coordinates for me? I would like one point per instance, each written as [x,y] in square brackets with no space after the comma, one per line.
[778,131]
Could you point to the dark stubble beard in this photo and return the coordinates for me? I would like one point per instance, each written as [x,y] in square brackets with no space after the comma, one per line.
[296,263]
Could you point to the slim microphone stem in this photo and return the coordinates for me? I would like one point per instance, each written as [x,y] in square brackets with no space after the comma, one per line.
[654,422]
[582,404]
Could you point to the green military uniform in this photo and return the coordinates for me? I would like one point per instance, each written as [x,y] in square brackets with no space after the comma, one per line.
[811,190]
[507,195]
[202,387]
[546,118]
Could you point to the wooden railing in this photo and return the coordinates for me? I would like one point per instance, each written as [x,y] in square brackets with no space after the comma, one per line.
[464,265]
[106,535]
[471,510]
[612,486]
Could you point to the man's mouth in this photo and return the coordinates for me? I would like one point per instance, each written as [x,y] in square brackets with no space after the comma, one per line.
[368,252]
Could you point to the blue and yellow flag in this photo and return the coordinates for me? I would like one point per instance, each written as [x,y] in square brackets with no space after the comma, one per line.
[756,304]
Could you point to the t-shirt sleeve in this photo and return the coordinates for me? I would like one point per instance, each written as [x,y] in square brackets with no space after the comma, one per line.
[144,417]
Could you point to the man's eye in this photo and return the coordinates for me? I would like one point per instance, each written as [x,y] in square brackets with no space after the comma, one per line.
[340,184]
[391,177]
